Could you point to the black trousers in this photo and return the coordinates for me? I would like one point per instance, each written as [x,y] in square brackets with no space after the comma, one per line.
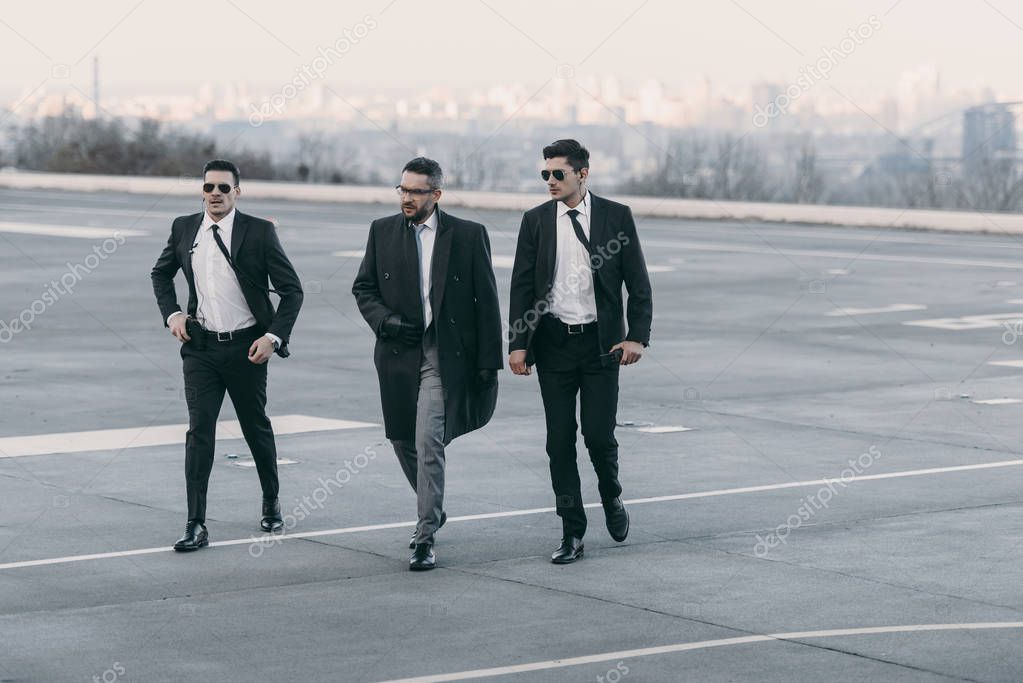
[209,372]
[569,365]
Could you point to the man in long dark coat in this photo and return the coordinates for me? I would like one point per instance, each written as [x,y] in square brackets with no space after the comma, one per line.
[426,287]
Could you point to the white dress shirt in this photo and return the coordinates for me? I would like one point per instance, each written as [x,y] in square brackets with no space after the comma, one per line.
[428,235]
[222,306]
[573,301]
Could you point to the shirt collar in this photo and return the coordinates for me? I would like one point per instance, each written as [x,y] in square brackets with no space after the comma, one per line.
[582,207]
[225,223]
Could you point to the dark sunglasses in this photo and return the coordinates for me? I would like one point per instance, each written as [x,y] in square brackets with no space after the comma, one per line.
[223,187]
[559,175]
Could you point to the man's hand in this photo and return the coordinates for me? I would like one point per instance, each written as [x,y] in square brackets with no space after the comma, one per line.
[631,351]
[261,350]
[396,327]
[517,363]
[177,327]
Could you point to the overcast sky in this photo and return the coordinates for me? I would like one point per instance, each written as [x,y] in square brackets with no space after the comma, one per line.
[158,46]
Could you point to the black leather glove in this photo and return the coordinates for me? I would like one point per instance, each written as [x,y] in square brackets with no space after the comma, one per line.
[486,378]
[396,327]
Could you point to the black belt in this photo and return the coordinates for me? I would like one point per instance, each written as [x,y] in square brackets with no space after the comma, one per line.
[229,336]
[571,329]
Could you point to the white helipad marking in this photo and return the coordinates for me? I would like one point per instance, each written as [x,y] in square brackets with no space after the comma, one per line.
[660,269]
[155,435]
[848,255]
[1008,363]
[81,231]
[664,429]
[997,401]
[352,253]
[837,271]
[252,463]
[968,322]
[894,308]
[703,645]
[520,513]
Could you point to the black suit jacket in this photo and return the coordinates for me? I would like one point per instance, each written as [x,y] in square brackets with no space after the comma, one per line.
[619,261]
[466,318]
[256,251]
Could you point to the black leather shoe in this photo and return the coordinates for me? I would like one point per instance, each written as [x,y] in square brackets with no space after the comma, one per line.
[423,558]
[272,520]
[412,541]
[195,537]
[571,550]
[617,518]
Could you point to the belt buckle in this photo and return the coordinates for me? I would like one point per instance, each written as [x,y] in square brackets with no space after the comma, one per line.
[575,329]
[222,338]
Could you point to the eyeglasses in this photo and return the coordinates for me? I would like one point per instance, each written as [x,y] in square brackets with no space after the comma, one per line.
[402,191]
[558,174]
[223,187]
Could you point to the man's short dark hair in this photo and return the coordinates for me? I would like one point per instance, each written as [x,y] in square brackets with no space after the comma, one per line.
[578,157]
[223,165]
[427,167]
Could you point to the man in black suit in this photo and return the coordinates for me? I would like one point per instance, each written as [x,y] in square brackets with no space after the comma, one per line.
[566,312]
[426,287]
[228,335]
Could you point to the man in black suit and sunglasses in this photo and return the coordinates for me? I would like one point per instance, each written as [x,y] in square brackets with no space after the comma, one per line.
[229,333]
[566,313]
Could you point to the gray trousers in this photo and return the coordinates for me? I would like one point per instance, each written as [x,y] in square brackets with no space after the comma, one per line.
[422,460]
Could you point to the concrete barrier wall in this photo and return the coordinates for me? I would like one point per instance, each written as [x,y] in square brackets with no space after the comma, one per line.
[854,216]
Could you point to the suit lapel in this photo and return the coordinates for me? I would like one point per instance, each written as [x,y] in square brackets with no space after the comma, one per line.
[598,237]
[238,230]
[598,222]
[549,239]
[408,268]
[439,265]
[190,234]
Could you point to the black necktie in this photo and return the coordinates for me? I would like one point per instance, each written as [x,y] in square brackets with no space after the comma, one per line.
[220,243]
[572,213]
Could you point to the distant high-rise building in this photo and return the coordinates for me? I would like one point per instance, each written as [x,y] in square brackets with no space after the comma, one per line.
[989,132]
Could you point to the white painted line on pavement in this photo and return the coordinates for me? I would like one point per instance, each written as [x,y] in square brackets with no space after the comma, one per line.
[997,401]
[252,463]
[81,231]
[983,321]
[703,645]
[664,429]
[520,513]
[894,308]
[1007,363]
[155,435]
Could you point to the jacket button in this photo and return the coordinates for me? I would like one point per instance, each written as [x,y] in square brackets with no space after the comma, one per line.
[394,351]
[458,354]
[550,286]
[387,276]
